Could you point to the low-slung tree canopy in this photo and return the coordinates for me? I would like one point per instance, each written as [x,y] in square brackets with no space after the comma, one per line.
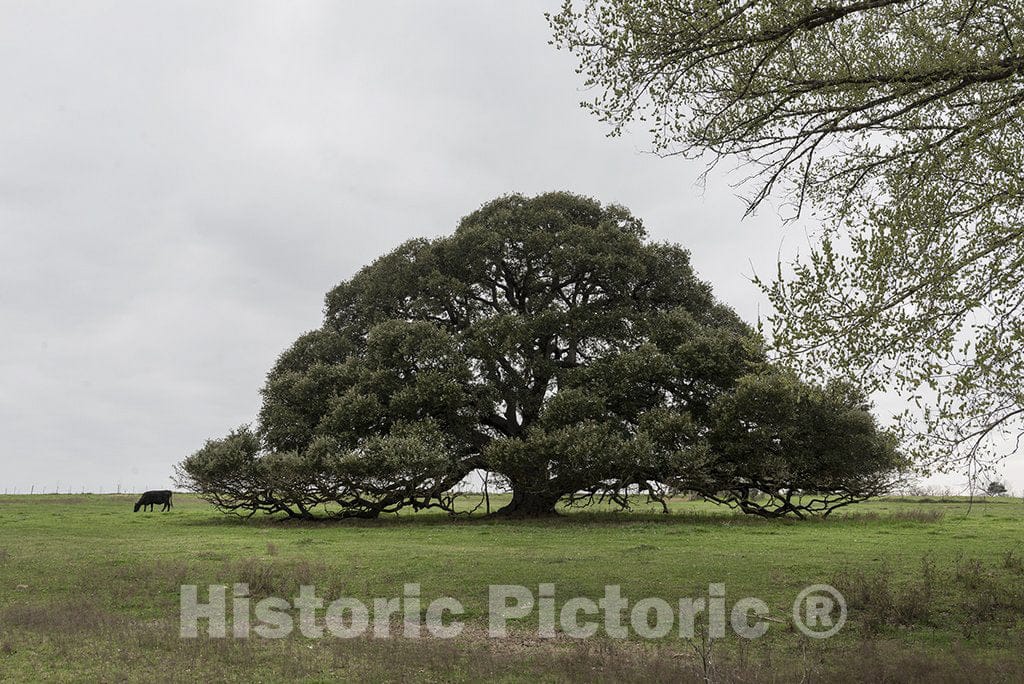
[546,342]
[901,124]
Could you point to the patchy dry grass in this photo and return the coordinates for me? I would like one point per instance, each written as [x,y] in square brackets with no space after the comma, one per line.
[972,597]
[68,617]
[914,515]
[152,652]
[936,593]
[920,515]
[1013,561]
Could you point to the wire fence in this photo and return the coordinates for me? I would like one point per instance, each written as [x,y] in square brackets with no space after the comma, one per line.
[60,489]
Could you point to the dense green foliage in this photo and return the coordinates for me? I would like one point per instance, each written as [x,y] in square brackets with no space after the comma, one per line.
[899,123]
[547,343]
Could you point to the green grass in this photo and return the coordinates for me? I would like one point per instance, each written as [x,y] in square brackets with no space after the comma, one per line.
[90,591]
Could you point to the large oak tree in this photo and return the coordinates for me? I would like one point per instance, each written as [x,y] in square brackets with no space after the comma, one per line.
[546,342]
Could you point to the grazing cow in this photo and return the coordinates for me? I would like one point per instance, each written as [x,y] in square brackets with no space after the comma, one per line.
[160,496]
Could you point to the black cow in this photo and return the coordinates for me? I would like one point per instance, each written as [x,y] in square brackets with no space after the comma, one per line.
[160,496]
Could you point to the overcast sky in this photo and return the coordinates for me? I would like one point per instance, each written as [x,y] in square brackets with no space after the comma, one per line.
[181,182]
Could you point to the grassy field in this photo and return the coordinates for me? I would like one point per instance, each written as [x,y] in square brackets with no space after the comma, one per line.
[90,591]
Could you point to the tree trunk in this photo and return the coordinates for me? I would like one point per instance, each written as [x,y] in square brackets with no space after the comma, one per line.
[526,504]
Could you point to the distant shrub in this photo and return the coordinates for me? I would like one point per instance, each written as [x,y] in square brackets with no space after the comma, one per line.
[996,488]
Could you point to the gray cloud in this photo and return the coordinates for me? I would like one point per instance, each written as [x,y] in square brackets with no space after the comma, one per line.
[180,183]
